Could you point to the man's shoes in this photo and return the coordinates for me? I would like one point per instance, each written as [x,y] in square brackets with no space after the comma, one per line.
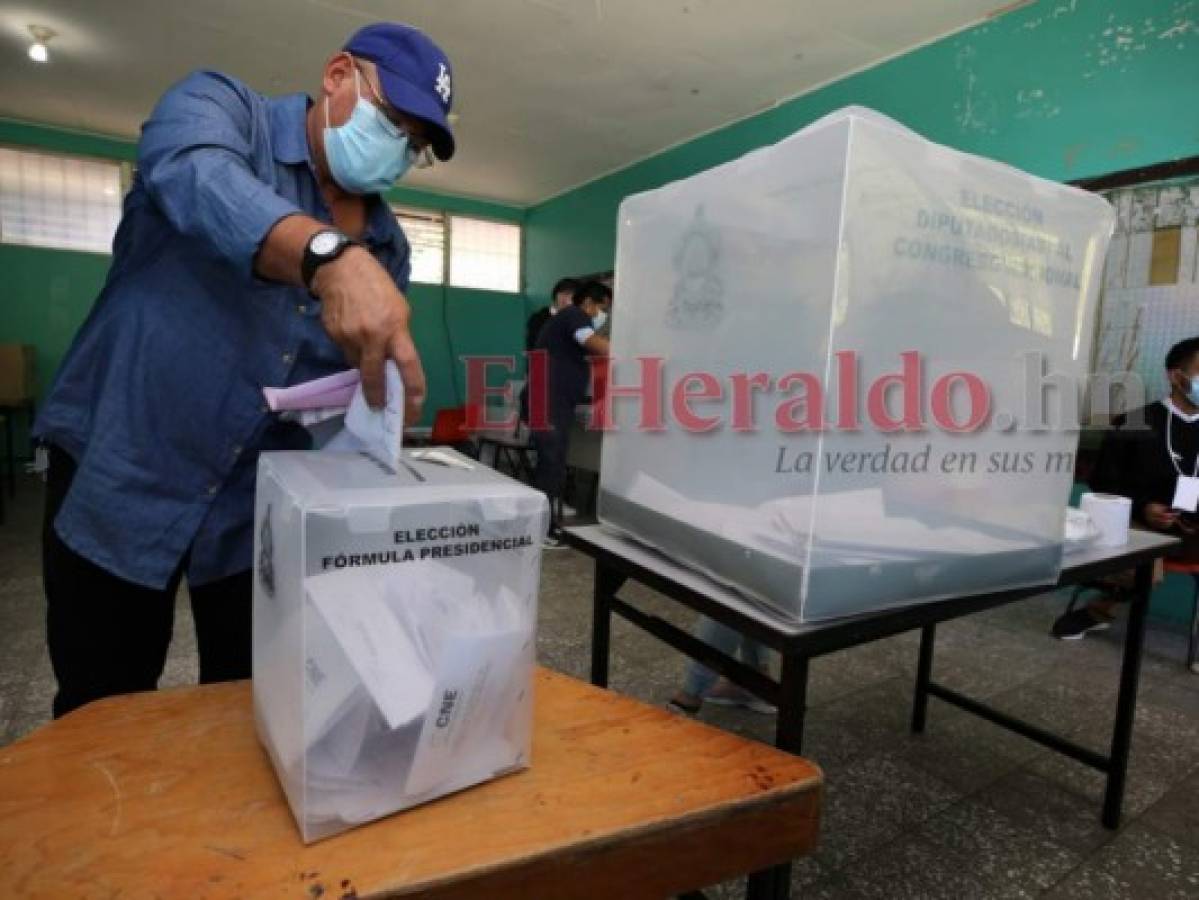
[1074,625]
[683,704]
[725,693]
[553,540]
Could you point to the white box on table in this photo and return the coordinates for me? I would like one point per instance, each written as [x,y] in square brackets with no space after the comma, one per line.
[837,250]
[394,624]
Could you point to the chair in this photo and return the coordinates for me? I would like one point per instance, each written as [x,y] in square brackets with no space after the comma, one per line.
[452,427]
[17,382]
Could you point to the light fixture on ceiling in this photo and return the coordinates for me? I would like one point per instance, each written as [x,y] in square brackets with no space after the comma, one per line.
[39,51]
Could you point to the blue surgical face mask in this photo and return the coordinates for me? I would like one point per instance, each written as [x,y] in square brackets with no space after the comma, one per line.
[598,320]
[368,154]
[1193,390]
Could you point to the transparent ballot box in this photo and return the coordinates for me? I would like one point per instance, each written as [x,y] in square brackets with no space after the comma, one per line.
[394,621]
[846,369]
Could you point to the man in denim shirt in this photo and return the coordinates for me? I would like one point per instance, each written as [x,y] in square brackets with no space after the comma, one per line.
[253,251]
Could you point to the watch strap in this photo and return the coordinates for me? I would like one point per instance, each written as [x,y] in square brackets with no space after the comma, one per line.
[313,261]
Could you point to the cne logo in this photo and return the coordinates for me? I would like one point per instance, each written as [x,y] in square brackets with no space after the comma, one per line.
[699,291]
[266,555]
[448,701]
[442,85]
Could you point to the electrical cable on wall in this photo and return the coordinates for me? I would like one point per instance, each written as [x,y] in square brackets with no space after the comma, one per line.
[459,393]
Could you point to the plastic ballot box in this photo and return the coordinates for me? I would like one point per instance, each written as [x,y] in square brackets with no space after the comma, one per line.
[846,369]
[394,620]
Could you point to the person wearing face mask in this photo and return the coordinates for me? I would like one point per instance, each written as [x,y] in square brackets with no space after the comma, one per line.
[253,251]
[603,319]
[1147,456]
[604,328]
[568,340]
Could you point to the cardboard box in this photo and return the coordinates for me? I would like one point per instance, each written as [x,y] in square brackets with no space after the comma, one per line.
[18,383]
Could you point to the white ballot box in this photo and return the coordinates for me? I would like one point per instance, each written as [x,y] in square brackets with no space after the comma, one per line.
[856,356]
[394,623]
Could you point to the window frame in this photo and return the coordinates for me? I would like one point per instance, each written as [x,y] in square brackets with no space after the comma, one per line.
[399,209]
[520,252]
[125,176]
[447,217]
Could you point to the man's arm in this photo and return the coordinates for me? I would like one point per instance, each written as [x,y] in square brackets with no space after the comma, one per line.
[362,309]
[1126,463]
[195,161]
[596,345]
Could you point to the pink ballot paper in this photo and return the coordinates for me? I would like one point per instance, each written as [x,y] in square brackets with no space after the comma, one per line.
[330,391]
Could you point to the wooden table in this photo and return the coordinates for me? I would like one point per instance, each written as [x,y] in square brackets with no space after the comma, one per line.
[169,794]
[619,559]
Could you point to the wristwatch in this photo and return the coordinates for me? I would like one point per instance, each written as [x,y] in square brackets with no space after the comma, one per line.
[323,247]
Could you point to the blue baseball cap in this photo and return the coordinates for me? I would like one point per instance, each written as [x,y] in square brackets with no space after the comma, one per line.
[414,73]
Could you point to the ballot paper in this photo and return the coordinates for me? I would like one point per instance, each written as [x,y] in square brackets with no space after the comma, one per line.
[380,431]
[476,651]
[381,651]
[394,629]
[330,681]
[333,391]
[321,404]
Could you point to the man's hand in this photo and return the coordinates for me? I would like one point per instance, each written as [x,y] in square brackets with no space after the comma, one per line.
[367,316]
[1159,516]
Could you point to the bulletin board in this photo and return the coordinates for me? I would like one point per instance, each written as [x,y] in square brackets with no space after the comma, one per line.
[1150,295]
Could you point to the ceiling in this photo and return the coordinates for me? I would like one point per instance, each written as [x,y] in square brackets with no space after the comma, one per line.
[551,93]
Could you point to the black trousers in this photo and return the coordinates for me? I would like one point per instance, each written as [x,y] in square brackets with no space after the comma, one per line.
[549,474]
[110,636]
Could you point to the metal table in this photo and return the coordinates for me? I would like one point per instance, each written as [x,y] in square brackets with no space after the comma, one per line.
[619,558]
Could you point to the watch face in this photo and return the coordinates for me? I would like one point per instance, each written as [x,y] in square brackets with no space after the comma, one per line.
[325,242]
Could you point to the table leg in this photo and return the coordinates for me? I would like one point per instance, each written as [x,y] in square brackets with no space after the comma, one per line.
[769,884]
[793,698]
[924,672]
[12,454]
[775,883]
[1126,703]
[607,583]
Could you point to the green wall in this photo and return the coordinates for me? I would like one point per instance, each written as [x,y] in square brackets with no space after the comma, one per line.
[48,293]
[1063,88]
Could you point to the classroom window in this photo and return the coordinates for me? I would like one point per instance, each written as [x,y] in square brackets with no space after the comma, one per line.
[425,231]
[484,254]
[64,202]
[461,250]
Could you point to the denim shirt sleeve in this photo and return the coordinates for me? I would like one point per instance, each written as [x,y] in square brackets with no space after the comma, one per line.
[196,159]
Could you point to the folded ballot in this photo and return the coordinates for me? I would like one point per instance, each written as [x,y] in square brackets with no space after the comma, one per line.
[394,622]
[335,412]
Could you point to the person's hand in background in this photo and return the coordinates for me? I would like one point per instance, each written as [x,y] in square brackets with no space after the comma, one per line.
[1159,516]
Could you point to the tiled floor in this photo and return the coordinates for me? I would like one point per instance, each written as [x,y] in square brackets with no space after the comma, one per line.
[965,811]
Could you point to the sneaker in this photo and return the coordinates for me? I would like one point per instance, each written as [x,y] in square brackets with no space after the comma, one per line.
[1074,625]
[682,705]
[553,540]
[725,693]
